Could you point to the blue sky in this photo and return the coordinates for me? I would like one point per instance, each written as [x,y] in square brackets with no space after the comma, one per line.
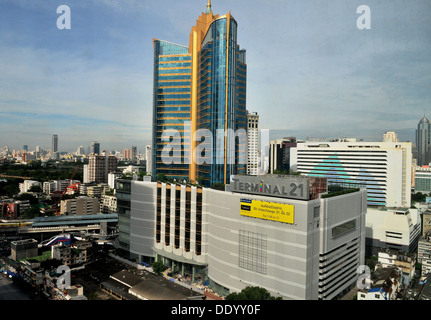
[311,71]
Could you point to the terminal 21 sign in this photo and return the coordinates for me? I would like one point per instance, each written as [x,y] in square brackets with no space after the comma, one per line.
[292,187]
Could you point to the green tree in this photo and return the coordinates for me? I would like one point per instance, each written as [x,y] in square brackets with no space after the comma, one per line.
[161,177]
[28,196]
[251,293]
[32,212]
[158,267]
[35,188]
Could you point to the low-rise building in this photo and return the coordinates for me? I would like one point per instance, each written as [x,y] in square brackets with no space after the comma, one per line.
[27,185]
[22,249]
[108,204]
[424,253]
[80,205]
[397,229]
[385,285]
[405,262]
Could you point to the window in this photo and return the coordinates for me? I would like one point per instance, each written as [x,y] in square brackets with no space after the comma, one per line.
[343,228]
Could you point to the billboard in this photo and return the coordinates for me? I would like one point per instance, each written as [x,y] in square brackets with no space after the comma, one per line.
[273,211]
[9,210]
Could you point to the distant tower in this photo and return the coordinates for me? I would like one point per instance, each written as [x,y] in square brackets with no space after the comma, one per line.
[54,143]
[95,147]
[55,154]
[390,136]
[423,141]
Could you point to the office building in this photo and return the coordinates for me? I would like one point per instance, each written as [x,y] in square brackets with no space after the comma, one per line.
[286,234]
[423,133]
[99,166]
[383,168]
[279,155]
[252,143]
[199,106]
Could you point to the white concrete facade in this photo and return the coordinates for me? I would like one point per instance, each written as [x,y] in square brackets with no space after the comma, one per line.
[383,168]
[315,257]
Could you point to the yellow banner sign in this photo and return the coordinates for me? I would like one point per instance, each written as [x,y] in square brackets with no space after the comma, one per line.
[267,210]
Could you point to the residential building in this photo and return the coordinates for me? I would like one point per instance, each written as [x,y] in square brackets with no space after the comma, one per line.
[423,134]
[99,166]
[199,107]
[127,154]
[383,168]
[57,185]
[108,204]
[279,155]
[27,185]
[286,234]
[404,262]
[80,205]
[252,143]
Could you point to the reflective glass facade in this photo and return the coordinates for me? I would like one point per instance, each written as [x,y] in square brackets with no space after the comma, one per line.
[171,108]
[200,93]
[222,101]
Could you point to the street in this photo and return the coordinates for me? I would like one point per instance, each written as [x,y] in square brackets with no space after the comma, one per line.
[9,292]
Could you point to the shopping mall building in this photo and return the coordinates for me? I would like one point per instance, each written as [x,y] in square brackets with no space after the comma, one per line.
[284,233]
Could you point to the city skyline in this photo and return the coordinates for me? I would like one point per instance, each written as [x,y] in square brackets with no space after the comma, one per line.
[93,82]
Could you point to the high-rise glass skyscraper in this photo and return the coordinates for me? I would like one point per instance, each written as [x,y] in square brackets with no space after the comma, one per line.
[199,104]
[423,139]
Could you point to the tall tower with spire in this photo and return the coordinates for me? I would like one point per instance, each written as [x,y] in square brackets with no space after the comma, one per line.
[199,103]
[423,140]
